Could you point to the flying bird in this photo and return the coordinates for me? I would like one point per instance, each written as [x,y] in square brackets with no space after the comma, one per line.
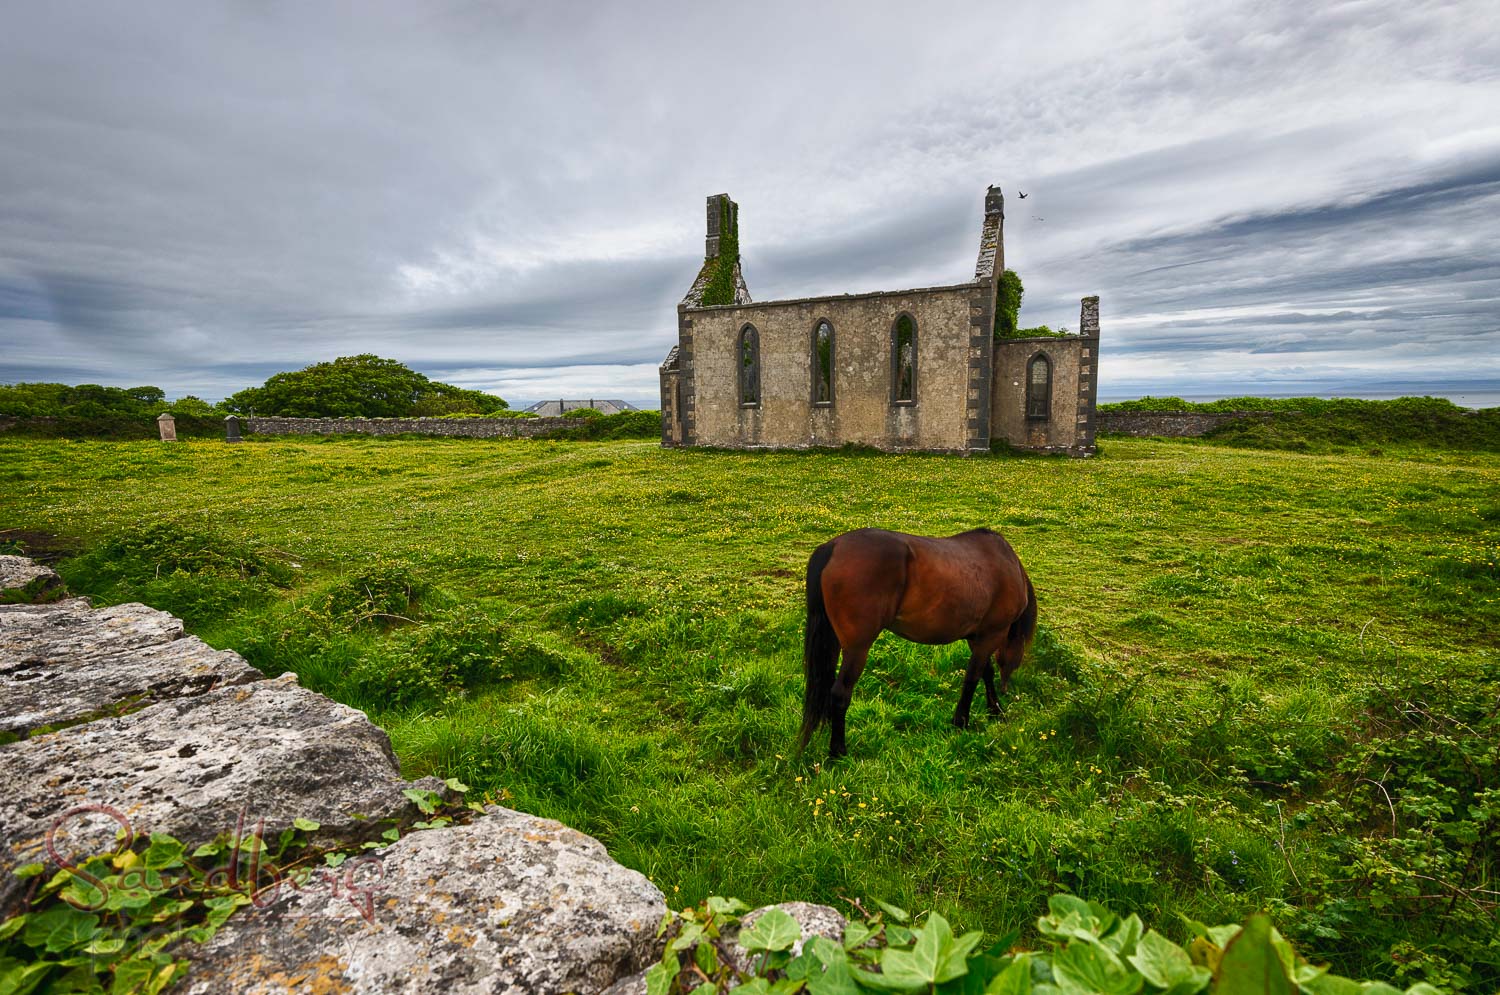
[1023,196]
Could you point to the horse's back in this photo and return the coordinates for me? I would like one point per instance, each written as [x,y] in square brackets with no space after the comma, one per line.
[927,589]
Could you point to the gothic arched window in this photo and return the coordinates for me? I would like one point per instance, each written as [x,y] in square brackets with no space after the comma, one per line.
[904,360]
[822,363]
[749,364]
[1038,387]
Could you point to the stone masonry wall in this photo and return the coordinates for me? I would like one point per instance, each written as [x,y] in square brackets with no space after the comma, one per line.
[862,411]
[1172,424]
[1070,424]
[467,428]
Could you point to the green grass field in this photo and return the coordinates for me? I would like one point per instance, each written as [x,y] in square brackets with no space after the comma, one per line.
[1264,680]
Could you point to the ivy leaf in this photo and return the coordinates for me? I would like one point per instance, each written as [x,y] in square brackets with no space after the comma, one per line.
[725,906]
[919,966]
[60,928]
[1162,962]
[1250,964]
[1087,968]
[1014,980]
[131,976]
[857,934]
[163,852]
[454,784]
[775,930]
[829,973]
[955,962]
[307,825]
[422,799]
[11,927]
[30,870]
[17,978]
[659,976]
[894,911]
[690,935]
[707,958]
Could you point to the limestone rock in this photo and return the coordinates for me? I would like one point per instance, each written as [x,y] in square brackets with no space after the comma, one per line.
[24,580]
[65,662]
[509,904]
[815,920]
[190,766]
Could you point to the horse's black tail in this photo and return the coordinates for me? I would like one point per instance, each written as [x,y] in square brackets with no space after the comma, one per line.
[1024,627]
[820,648]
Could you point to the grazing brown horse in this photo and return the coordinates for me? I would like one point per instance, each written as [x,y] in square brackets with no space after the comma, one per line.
[970,586]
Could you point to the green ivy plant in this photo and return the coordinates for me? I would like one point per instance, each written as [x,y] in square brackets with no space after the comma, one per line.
[721,283]
[1089,951]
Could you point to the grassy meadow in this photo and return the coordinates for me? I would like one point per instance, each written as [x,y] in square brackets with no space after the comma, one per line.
[1263,680]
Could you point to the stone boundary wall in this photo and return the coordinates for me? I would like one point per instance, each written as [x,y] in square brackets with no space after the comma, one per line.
[464,428]
[1173,424]
[115,718]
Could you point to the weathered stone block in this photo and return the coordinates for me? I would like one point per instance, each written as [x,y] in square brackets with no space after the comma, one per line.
[24,581]
[509,904]
[189,767]
[67,662]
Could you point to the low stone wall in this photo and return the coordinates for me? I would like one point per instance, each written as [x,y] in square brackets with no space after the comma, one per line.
[115,719]
[1178,424]
[466,428]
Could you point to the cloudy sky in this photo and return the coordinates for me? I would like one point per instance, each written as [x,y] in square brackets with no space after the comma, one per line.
[1267,197]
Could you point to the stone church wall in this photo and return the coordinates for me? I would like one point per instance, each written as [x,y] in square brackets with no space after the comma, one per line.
[862,411]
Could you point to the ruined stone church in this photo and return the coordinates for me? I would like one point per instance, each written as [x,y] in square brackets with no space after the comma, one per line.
[895,369]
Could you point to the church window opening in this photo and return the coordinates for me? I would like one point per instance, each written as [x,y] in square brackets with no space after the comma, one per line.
[749,366]
[823,363]
[904,360]
[1038,388]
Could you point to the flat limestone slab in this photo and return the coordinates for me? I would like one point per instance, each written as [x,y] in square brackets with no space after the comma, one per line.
[23,578]
[509,904]
[66,662]
[271,749]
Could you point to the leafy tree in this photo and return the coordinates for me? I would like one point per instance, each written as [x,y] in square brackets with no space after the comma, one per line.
[89,400]
[192,406]
[363,386]
[1008,291]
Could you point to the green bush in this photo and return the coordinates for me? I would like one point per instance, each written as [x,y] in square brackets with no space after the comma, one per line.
[625,425]
[363,386]
[1319,423]
[198,575]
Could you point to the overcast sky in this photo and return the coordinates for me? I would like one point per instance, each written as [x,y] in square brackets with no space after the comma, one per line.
[1267,197]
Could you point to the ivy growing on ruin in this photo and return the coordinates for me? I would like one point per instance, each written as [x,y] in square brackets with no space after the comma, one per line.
[721,283]
[1008,291]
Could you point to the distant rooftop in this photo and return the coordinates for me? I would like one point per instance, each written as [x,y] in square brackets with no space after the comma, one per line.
[562,406]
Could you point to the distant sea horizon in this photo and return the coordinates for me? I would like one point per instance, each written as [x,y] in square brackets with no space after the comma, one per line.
[1484,395]
[1465,396]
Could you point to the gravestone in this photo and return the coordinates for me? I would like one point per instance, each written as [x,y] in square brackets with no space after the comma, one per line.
[232,429]
[168,427]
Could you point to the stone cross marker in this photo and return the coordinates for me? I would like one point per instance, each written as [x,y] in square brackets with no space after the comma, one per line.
[168,426]
[232,428]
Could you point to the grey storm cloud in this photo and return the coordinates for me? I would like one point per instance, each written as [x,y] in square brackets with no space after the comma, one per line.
[509,196]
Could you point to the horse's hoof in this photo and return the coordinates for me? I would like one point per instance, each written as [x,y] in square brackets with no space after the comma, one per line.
[959,723]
